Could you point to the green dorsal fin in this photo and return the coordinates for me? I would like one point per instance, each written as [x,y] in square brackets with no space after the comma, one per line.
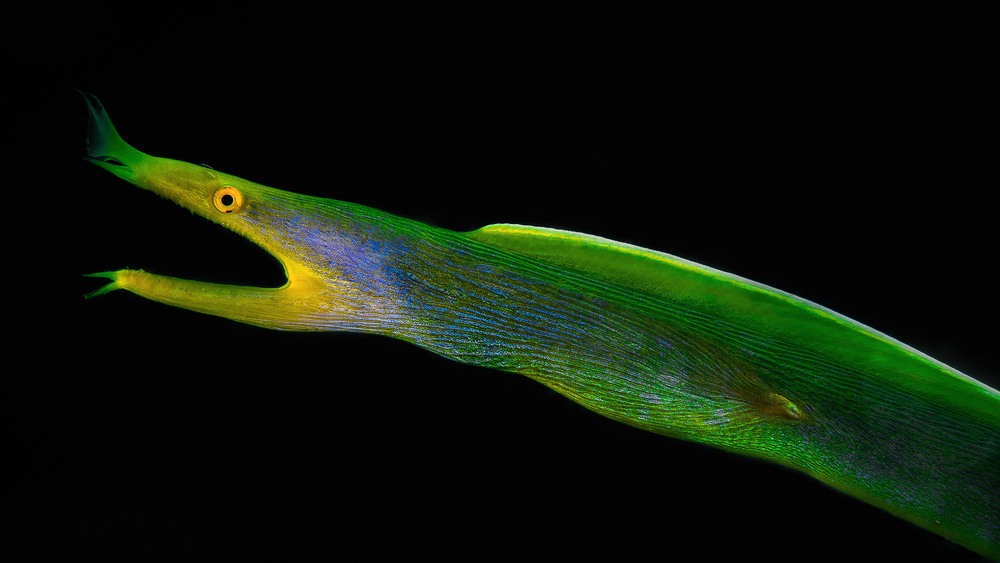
[648,271]
[741,302]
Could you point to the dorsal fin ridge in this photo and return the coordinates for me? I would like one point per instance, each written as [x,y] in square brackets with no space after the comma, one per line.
[731,298]
[635,267]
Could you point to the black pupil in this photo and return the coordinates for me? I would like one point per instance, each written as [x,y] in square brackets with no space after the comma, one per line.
[227,200]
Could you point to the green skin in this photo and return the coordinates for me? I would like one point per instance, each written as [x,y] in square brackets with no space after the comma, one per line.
[641,337]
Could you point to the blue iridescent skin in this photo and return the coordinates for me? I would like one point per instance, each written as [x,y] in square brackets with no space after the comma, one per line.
[638,336]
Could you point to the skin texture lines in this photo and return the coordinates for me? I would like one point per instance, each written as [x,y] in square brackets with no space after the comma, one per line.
[638,336]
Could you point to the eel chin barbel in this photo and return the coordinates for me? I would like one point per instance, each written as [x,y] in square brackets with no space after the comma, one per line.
[639,336]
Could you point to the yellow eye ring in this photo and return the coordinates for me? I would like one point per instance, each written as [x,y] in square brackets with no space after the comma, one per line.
[227,199]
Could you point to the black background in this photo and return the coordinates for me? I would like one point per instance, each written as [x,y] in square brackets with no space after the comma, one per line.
[849,171]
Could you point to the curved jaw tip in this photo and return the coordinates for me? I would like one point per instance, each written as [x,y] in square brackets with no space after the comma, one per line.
[107,288]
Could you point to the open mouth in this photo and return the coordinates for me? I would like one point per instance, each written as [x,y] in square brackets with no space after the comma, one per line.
[242,275]
[169,240]
[165,238]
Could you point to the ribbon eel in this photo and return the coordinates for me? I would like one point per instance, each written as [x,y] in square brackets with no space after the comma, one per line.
[642,337]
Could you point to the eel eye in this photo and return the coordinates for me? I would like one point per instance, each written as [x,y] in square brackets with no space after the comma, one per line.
[227,199]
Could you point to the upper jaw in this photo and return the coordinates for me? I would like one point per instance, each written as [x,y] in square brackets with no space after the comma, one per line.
[105,147]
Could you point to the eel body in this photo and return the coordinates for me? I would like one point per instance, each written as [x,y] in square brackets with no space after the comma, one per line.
[639,336]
